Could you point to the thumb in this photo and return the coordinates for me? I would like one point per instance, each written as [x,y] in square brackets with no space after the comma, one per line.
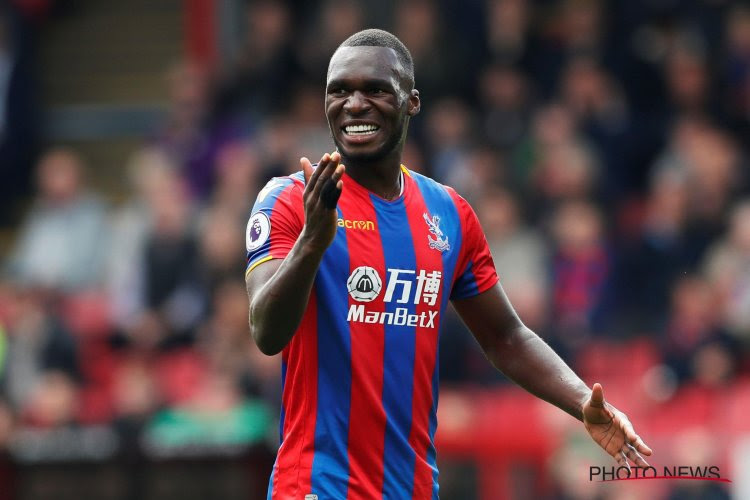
[597,396]
[307,169]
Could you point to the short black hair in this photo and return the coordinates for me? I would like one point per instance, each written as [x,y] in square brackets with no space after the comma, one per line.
[381,38]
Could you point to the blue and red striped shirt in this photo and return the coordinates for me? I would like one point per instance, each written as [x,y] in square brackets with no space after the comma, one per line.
[360,375]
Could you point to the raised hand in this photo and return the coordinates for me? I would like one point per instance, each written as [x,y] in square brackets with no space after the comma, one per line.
[323,187]
[612,430]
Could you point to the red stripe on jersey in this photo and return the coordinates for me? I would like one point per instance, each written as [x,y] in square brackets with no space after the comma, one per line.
[474,248]
[291,220]
[426,347]
[367,416]
[293,468]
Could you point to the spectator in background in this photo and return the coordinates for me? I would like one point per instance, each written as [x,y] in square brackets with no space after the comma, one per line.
[41,370]
[727,266]
[519,252]
[62,242]
[194,134]
[308,128]
[507,24]
[223,341]
[571,28]
[151,174]
[559,164]
[602,115]
[449,133]
[504,95]
[696,346]
[655,255]
[566,172]
[554,163]
[696,445]
[687,78]
[173,296]
[710,162]
[261,79]
[238,171]
[479,168]
[340,18]
[581,266]
[218,249]
[419,24]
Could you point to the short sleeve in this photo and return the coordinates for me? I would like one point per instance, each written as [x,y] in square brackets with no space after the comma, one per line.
[275,222]
[475,268]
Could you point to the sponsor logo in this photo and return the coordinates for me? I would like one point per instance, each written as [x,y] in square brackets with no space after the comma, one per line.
[440,241]
[366,225]
[400,317]
[257,232]
[364,284]
[404,286]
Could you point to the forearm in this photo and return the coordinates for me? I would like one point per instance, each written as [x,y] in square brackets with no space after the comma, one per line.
[527,360]
[276,309]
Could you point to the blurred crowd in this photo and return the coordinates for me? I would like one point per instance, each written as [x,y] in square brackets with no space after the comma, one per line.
[602,144]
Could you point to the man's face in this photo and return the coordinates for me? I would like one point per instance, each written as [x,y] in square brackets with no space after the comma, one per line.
[368,102]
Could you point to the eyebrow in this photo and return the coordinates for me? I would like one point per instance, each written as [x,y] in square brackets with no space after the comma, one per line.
[369,82]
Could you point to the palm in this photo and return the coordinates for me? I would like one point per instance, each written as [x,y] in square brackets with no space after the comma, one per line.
[612,430]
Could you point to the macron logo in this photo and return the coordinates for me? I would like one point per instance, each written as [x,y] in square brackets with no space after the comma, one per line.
[365,225]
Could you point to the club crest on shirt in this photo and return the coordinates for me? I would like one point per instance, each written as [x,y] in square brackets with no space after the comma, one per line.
[440,241]
[257,232]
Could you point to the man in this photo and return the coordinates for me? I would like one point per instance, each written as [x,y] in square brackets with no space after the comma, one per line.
[349,270]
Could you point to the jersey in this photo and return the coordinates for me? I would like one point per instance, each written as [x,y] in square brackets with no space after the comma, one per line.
[360,375]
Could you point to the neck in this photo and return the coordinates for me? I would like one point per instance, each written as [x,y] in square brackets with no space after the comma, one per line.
[382,177]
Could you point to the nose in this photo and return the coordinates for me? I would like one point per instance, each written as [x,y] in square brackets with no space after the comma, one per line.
[356,103]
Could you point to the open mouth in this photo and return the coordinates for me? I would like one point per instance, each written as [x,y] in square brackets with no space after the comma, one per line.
[360,130]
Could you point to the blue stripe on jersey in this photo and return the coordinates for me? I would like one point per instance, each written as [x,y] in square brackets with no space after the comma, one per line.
[466,284]
[400,344]
[439,202]
[269,495]
[330,469]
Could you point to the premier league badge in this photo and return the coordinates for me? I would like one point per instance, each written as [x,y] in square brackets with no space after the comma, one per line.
[258,231]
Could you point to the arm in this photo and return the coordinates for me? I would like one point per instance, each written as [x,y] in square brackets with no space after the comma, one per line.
[519,353]
[278,291]
[527,360]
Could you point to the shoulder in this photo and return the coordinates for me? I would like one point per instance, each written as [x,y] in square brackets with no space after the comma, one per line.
[430,187]
[277,187]
[440,192]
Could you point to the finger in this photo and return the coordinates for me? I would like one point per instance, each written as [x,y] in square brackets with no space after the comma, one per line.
[636,441]
[597,396]
[634,456]
[338,173]
[318,170]
[331,193]
[326,173]
[621,459]
[307,169]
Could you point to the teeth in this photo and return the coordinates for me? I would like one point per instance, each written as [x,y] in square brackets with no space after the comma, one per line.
[360,129]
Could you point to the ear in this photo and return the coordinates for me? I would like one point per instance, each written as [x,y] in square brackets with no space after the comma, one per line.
[414,104]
